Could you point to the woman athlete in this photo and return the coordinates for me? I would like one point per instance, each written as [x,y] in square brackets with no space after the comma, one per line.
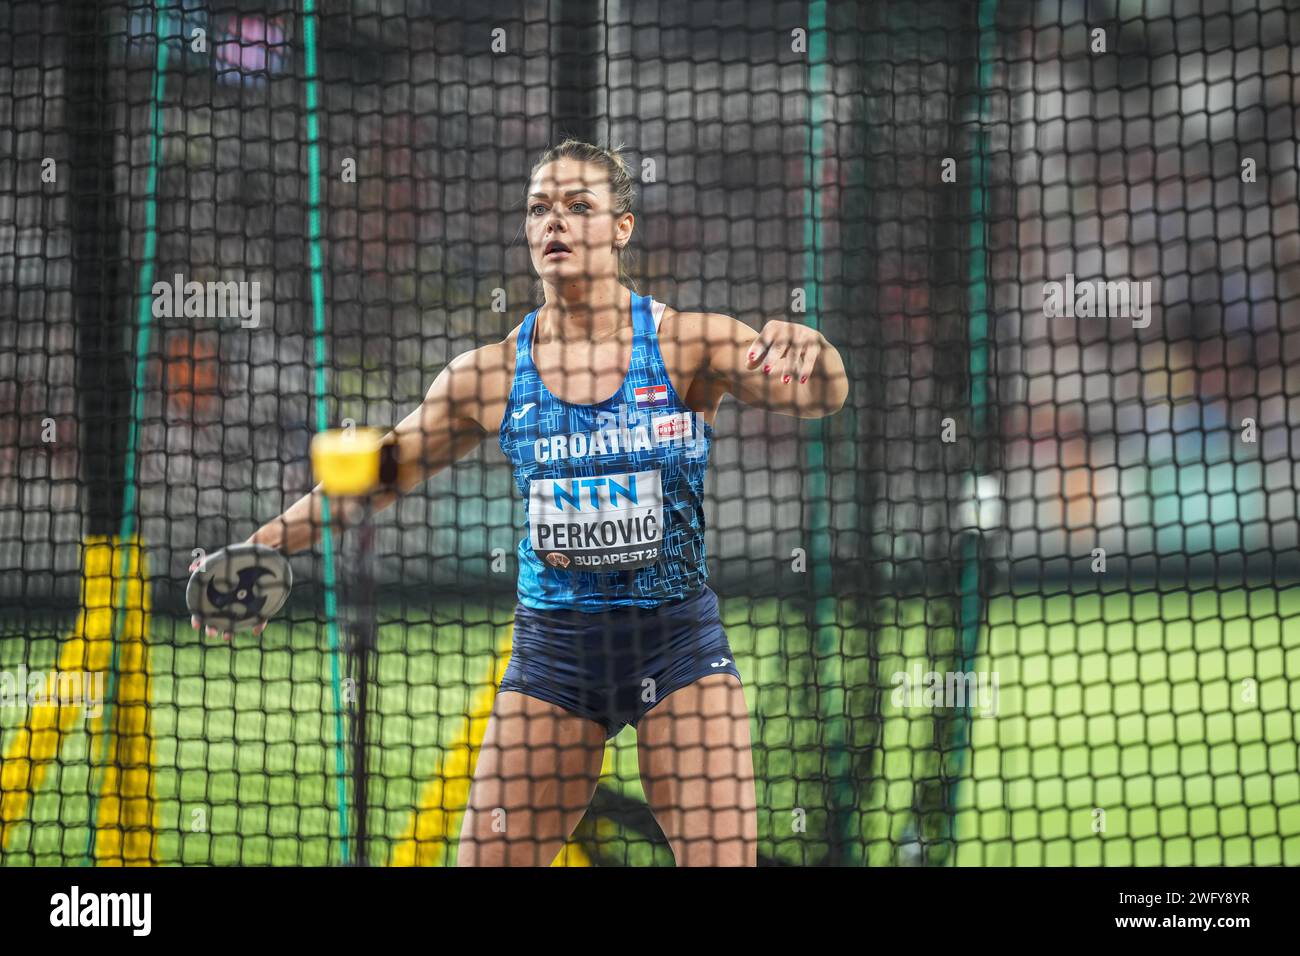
[604,402]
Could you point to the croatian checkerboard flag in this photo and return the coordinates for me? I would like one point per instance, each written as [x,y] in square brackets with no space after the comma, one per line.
[652,396]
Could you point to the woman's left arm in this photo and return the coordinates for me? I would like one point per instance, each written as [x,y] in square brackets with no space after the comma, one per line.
[786,368]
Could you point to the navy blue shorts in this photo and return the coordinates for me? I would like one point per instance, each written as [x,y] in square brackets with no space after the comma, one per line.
[614,666]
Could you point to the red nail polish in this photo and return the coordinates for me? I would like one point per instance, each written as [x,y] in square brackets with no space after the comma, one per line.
[785,379]
[751,356]
[803,379]
[767,368]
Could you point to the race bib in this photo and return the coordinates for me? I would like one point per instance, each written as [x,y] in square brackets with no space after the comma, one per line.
[600,523]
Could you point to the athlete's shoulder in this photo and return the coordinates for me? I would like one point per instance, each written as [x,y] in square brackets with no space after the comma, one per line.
[715,327]
[699,336]
[479,380]
[492,358]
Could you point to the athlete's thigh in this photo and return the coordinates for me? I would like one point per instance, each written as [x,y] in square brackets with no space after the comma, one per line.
[697,769]
[536,772]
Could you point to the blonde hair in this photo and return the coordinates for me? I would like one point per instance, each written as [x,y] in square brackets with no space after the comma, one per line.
[610,159]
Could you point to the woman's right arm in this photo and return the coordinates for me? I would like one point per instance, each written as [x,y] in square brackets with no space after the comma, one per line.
[443,429]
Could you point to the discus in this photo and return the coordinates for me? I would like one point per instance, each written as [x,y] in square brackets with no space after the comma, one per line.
[239,587]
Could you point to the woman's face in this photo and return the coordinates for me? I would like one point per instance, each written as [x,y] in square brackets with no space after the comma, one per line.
[572,231]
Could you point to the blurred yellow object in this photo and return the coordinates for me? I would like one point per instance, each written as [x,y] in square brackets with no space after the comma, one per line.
[346,460]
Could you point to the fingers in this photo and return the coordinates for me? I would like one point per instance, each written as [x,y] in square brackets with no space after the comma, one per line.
[210,631]
[804,366]
[197,624]
[778,361]
[786,351]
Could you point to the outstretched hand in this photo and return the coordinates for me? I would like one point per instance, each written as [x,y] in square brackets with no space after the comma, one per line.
[786,349]
[225,635]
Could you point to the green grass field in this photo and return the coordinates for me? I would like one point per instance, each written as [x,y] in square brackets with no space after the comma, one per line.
[1165,720]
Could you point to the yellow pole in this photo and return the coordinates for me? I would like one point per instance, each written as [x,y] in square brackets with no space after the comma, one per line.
[127,818]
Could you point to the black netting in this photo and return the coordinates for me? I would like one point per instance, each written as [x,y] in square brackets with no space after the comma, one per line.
[1026,599]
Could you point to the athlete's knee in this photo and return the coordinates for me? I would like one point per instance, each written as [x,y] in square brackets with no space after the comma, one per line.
[497,848]
[471,850]
[476,853]
[709,850]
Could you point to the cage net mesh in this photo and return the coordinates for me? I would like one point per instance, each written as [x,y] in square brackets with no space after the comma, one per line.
[1028,598]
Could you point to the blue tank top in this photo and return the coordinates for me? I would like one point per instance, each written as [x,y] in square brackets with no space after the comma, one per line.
[613,492]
